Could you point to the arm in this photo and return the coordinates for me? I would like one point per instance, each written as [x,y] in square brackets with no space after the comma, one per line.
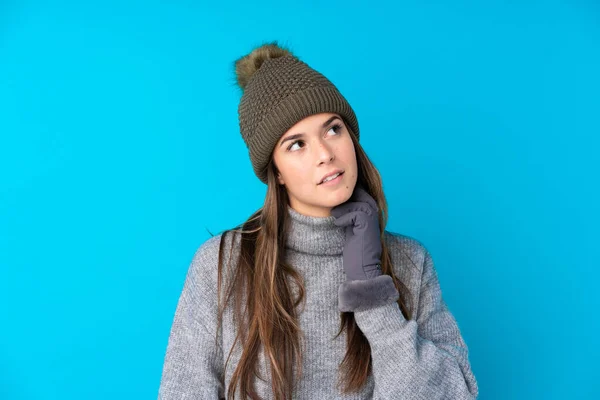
[193,364]
[422,359]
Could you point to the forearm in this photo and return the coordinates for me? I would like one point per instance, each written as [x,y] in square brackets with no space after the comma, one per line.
[405,365]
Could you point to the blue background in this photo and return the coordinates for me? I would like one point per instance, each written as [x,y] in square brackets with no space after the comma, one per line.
[120,150]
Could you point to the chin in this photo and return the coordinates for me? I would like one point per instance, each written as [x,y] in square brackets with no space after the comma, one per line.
[342,196]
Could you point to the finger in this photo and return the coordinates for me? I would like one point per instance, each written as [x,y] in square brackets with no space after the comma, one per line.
[348,219]
[362,195]
[339,210]
[350,206]
[349,231]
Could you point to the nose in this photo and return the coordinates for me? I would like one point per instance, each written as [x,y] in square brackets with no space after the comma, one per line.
[325,153]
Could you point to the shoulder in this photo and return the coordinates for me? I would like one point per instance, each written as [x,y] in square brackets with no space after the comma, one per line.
[208,251]
[408,256]
[203,268]
[406,248]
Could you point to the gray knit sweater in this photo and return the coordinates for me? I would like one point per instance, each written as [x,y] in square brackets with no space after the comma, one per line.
[421,358]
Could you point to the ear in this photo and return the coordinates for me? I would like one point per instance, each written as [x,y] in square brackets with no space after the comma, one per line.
[280,179]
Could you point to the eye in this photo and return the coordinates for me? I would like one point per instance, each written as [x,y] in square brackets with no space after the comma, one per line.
[336,128]
[293,144]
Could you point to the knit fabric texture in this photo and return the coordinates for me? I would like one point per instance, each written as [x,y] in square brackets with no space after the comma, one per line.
[424,357]
[282,92]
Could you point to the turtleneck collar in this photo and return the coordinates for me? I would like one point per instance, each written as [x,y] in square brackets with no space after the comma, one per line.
[314,235]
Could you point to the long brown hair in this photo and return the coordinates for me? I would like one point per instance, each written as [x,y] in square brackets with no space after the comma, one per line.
[268,318]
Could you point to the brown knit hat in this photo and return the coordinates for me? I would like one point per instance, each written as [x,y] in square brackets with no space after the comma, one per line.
[278,91]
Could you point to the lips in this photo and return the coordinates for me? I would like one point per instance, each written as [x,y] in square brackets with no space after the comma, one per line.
[331,174]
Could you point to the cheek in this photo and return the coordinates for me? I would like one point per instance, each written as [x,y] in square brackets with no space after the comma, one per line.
[296,175]
[350,161]
[301,175]
[348,154]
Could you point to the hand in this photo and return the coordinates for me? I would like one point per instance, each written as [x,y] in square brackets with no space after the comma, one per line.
[362,249]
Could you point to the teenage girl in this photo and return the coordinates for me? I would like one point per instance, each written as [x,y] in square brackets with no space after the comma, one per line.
[311,298]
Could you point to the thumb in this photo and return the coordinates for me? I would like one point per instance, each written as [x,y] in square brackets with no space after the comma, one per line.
[348,219]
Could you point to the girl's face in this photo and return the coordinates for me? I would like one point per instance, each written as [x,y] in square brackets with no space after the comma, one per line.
[316,146]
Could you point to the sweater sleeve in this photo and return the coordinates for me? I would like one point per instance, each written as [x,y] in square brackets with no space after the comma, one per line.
[424,358]
[193,363]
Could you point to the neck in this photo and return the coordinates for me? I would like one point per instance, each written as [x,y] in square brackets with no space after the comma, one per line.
[314,235]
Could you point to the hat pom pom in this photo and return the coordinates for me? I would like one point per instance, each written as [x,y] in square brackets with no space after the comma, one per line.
[246,66]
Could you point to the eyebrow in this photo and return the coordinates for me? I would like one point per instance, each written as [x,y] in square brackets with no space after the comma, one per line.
[299,135]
